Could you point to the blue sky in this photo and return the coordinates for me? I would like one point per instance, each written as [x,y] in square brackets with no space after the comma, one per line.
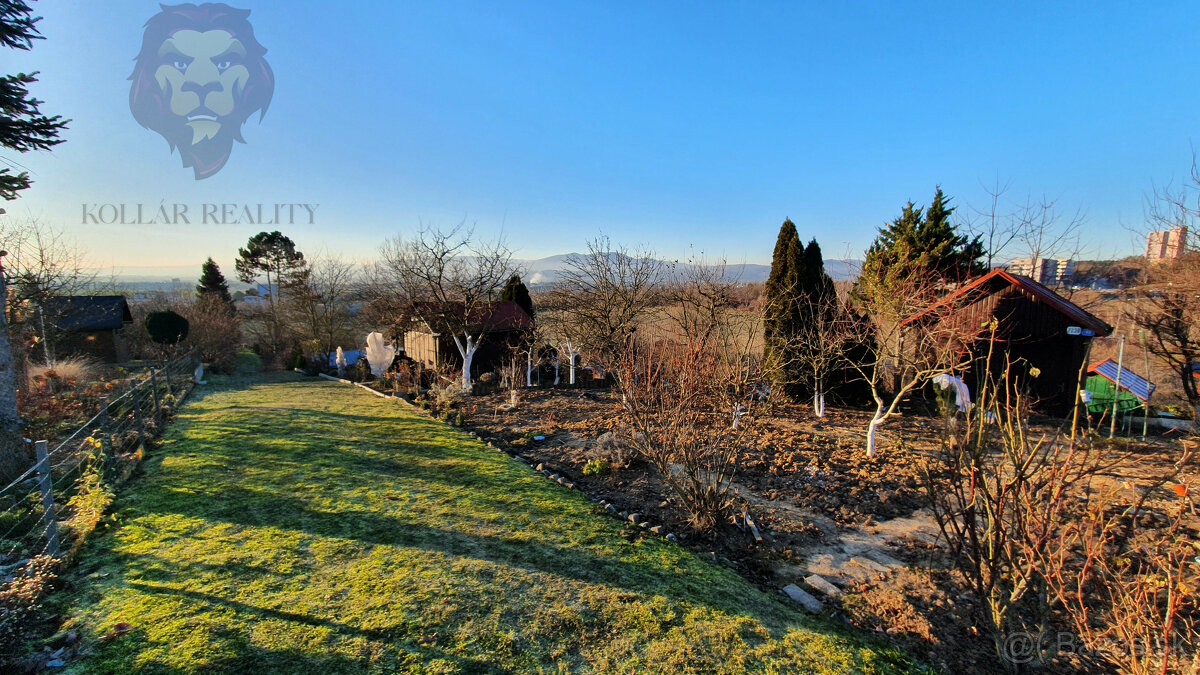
[669,125]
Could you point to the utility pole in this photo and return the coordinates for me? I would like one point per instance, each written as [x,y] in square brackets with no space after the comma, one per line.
[1146,404]
[1112,428]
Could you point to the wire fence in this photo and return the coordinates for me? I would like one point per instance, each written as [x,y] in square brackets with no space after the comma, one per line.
[51,507]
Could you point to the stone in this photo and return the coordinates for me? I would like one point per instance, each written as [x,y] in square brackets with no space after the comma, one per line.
[657,529]
[883,558]
[571,485]
[635,518]
[610,508]
[822,584]
[869,564]
[540,467]
[55,663]
[671,537]
[854,547]
[803,598]
[644,525]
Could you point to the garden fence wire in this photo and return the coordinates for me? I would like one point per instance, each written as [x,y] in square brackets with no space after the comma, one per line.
[50,508]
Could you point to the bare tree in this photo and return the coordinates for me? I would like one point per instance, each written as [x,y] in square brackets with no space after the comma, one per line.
[604,295]
[319,304]
[916,336]
[450,282]
[1168,306]
[36,263]
[1035,227]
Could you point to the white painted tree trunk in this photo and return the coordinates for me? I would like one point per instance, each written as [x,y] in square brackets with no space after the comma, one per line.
[873,427]
[466,348]
[819,404]
[529,368]
[556,372]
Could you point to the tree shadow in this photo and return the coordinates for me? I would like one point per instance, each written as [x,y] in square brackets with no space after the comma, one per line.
[256,658]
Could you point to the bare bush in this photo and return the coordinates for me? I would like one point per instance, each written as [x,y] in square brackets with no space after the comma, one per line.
[1044,538]
[686,403]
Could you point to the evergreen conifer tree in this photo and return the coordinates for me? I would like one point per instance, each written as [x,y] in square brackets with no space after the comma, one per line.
[515,291]
[22,126]
[784,312]
[212,283]
[924,242]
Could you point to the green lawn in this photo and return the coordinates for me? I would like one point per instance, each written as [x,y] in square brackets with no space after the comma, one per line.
[299,525]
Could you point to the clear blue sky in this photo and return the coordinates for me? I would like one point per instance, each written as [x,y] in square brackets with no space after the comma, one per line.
[664,124]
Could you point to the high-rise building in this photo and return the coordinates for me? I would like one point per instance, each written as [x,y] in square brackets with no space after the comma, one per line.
[1045,271]
[1166,244]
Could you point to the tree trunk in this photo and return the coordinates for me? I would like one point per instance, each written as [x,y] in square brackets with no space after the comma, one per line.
[873,427]
[12,460]
[466,349]
[819,404]
[556,372]
[529,368]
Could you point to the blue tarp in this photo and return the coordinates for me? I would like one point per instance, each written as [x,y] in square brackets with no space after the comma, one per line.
[1130,381]
[352,357]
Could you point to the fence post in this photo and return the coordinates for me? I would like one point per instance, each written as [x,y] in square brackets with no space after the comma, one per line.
[105,440]
[137,411]
[154,395]
[167,374]
[43,470]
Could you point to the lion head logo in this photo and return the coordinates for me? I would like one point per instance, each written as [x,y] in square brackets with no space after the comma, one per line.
[199,77]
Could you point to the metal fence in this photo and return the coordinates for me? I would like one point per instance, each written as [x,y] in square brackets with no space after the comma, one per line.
[50,508]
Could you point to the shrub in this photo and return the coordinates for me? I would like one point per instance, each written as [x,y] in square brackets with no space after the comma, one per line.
[460,419]
[595,467]
[72,369]
[20,598]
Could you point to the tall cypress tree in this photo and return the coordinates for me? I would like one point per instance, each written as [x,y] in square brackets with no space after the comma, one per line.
[784,313]
[515,291]
[212,283]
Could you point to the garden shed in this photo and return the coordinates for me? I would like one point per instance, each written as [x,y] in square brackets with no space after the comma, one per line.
[504,326]
[1102,388]
[1036,328]
[88,325]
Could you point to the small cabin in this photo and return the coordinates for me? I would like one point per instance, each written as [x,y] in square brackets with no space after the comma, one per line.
[1036,327]
[88,325]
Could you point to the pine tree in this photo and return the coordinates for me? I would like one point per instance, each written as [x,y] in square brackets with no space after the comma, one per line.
[924,242]
[22,126]
[212,283]
[515,291]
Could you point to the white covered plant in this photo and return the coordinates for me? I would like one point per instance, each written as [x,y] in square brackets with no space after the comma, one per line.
[379,354]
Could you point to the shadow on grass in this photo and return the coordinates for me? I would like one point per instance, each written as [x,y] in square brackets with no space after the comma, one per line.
[250,508]
[250,655]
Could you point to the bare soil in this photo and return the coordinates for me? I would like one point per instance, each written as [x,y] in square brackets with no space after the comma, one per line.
[819,503]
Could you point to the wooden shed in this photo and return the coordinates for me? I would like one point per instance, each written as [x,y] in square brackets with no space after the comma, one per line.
[1036,327]
[504,326]
[88,325]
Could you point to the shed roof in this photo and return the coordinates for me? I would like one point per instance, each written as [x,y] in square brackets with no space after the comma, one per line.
[88,312]
[999,278]
[1130,381]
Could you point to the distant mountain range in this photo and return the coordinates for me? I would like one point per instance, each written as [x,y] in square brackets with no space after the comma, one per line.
[546,270]
[540,271]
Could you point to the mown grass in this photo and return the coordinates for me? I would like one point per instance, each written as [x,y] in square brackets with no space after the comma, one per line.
[297,525]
